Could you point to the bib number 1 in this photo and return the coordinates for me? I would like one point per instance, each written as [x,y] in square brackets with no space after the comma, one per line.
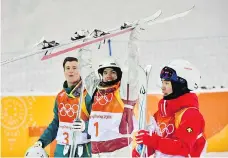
[96,126]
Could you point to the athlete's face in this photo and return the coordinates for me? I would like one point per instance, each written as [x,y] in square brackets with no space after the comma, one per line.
[109,75]
[166,87]
[71,72]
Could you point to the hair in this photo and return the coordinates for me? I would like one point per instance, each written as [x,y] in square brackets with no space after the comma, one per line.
[179,89]
[69,59]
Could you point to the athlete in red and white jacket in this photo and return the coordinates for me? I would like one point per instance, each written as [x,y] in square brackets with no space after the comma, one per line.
[180,123]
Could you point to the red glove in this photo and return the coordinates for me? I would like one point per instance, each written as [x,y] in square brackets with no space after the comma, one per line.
[126,124]
[135,153]
[143,137]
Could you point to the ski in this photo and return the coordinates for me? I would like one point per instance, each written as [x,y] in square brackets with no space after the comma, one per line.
[127,27]
[143,93]
[143,105]
[78,118]
[66,46]
[175,16]
[102,35]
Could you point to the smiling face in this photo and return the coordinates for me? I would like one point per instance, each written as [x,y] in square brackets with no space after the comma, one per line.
[71,72]
[166,87]
[109,75]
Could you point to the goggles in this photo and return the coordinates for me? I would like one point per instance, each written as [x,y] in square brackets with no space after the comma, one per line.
[168,73]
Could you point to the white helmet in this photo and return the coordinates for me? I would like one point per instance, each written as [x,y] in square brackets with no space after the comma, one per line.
[111,63]
[36,151]
[108,62]
[184,70]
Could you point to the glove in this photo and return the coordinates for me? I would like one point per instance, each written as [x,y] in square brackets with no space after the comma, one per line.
[138,150]
[135,153]
[78,125]
[126,124]
[38,144]
[143,137]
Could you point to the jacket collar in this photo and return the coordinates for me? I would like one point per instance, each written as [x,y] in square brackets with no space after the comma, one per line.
[170,107]
[73,91]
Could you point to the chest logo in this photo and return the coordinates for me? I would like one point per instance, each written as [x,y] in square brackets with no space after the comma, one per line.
[67,109]
[189,130]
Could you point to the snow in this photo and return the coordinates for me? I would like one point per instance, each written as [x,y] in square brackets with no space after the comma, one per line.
[201,37]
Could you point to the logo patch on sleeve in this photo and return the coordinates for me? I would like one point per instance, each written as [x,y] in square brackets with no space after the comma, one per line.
[189,130]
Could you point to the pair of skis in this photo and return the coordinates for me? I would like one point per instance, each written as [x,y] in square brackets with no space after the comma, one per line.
[64,47]
[142,111]
[103,36]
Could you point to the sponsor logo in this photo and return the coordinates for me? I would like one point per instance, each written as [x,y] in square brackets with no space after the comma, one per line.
[101,116]
[189,130]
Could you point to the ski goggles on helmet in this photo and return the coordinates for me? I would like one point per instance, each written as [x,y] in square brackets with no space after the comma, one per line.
[169,74]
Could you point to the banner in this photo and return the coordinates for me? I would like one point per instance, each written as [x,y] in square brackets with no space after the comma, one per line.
[24,118]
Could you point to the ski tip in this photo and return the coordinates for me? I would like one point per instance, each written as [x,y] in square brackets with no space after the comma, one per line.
[192,7]
[148,68]
[158,13]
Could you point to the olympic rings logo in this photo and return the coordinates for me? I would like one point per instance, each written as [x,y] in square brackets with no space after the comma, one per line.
[166,129]
[103,99]
[67,109]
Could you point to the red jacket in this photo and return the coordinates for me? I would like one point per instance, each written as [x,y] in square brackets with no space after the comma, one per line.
[181,125]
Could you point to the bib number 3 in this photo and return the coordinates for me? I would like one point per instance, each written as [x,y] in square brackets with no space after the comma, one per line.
[66,137]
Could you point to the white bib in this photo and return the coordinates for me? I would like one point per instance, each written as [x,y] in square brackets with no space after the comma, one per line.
[104,126]
[65,135]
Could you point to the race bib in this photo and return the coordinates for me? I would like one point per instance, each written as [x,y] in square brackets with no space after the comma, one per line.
[104,126]
[65,134]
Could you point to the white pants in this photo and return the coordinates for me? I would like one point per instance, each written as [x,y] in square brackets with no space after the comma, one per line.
[124,152]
